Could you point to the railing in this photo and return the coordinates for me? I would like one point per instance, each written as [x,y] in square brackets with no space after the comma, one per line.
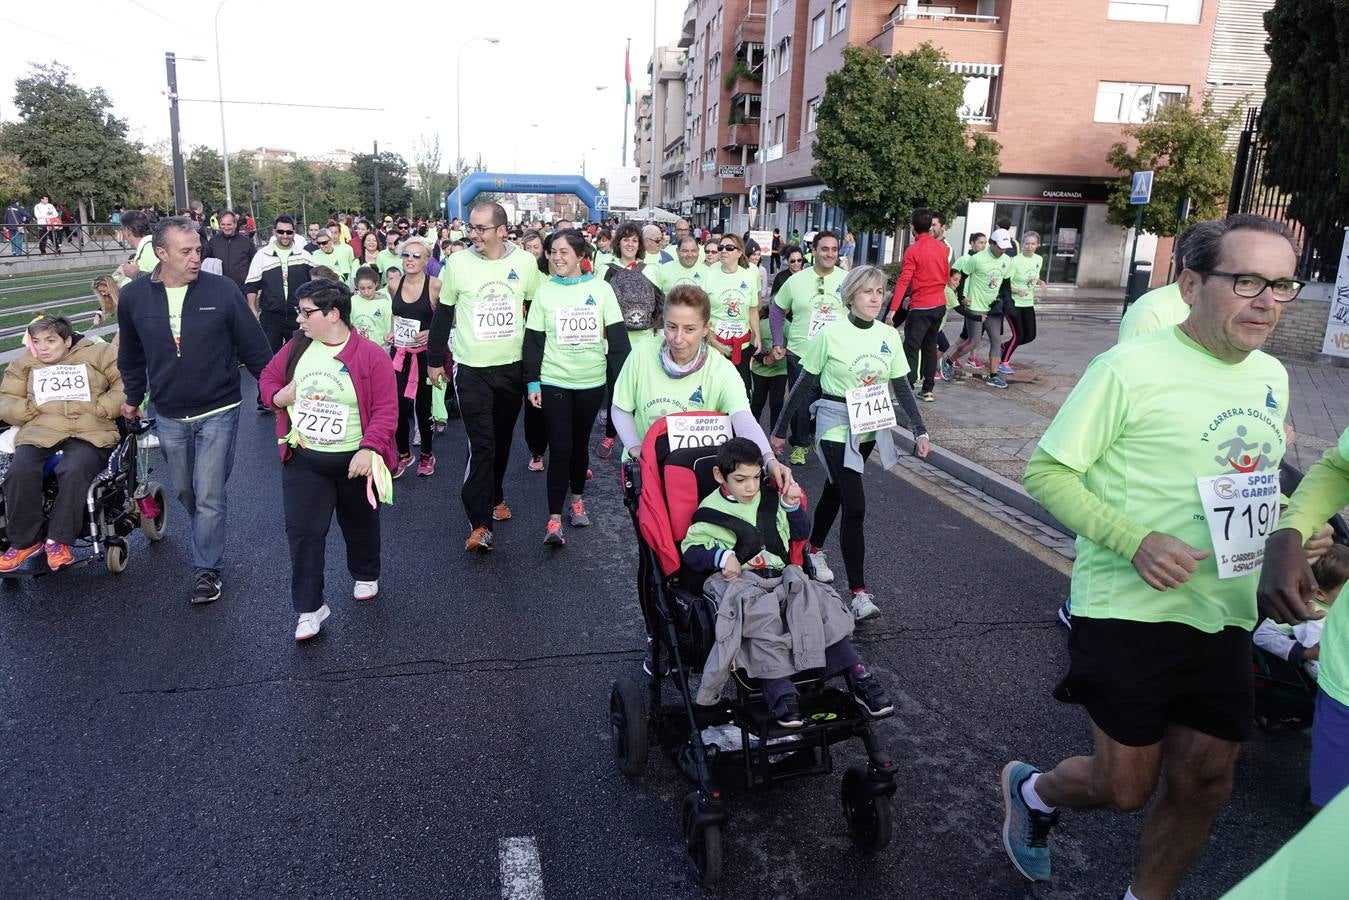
[41,240]
[932,16]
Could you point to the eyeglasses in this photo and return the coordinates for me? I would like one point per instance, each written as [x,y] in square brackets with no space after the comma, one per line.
[1250,286]
[729,248]
[307,311]
[407,255]
[284,231]
[795,261]
[323,243]
[482,229]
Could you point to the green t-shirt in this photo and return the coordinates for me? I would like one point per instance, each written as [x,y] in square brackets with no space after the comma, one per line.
[675,273]
[1312,864]
[489,298]
[1155,310]
[372,318]
[384,261]
[601,262]
[176,297]
[716,537]
[984,273]
[1141,442]
[809,296]
[585,310]
[1024,272]
[644,389]
[320,376]
[145,256]
[1334,679]
[341,260]
[733,295]
[770,371]
[846,357]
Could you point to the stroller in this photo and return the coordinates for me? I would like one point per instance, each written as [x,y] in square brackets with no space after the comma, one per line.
[736,744]
[121,498]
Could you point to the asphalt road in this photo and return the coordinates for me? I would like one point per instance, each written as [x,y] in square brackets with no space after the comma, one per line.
[153,749]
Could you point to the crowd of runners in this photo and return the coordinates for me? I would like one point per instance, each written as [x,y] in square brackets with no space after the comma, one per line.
[370,338]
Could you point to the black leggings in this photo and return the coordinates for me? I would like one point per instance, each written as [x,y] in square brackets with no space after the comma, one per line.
[421,407]
[769,389]
[1022,321]
[314,484]
[843,490]
[536,430]
[568,416]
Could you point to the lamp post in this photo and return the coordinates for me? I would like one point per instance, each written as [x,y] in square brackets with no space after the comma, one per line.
[458,134]
[220,96]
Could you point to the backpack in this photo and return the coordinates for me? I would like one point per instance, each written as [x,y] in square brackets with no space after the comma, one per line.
[640,300]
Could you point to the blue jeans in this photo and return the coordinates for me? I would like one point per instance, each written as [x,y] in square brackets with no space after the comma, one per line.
[16,239]
[200,454]
[1330,748]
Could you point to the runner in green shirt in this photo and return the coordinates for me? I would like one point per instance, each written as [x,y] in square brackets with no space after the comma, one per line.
[1171,485]
[334,254]
[684,269]
[372,308]
[983,276]
[1024,275]
[734,290]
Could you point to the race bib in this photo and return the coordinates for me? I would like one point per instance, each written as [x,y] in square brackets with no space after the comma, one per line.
[869,408]
[61,383]
[731,330]
[495,319]
[1242,509]
[577,325]
[819,320]
[321,422]
[405,331]
[711,430]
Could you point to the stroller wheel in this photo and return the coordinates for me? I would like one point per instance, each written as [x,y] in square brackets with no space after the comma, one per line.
[868,815]
[153,527]
[116,557]
[627,725]
[703,843]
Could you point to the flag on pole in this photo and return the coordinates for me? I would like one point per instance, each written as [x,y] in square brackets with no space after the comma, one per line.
[627,74]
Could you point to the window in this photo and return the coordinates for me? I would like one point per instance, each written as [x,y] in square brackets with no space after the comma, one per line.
[716,22]
[779,129]
[840,17]
[1174,12]
[812,113]
[1129,103]
[712,116]
[784,53]
[817,31]
[977,106]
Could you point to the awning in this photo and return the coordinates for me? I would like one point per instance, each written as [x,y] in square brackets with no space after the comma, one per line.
[983,70]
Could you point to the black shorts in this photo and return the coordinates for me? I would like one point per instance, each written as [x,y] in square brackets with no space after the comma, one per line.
[1134,678]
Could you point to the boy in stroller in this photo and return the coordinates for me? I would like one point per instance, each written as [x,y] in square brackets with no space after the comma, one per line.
[771,617]
[1301,643]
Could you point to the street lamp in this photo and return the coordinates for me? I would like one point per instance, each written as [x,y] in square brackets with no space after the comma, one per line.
[458,134]
[220,95]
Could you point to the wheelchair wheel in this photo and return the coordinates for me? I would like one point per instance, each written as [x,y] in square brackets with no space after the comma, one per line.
[116,557]
[868,816]
[703,843]
[627,726]
[153,529]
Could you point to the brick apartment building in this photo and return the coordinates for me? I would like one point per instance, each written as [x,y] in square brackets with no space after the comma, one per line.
[1053,81]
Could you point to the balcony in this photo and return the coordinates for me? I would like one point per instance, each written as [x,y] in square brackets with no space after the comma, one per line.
[750,30]
[960,36]
[742,134]
[690,25]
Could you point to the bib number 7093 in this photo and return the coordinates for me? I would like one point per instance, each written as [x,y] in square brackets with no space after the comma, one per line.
[698,431]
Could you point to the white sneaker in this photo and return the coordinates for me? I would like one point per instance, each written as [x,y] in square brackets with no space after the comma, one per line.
[366,590]
[823,573]
[310,623]
[864,606]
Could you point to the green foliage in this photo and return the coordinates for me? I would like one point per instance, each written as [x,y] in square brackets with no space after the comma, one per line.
[1303,119]
[206,178]
[395,197]
[433,182]
[15,179]
[153,181]
[75,149]
[1185,149]
[889,139]
[741,69]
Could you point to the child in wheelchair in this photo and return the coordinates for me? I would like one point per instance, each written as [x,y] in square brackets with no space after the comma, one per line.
[65,397]
[772,619]
[1301,644]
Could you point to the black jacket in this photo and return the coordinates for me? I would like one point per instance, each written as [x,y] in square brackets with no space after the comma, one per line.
[201,374]
[235,253]
[276,295]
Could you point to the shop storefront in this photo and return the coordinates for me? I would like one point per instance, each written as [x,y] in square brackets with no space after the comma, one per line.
[1065,213]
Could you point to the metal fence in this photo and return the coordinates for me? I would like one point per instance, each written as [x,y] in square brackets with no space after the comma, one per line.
[1318,232]
[40,240]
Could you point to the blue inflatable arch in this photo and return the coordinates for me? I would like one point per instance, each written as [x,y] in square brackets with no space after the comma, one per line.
[494,182]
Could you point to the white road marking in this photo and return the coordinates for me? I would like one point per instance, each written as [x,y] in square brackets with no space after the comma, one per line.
[521,871]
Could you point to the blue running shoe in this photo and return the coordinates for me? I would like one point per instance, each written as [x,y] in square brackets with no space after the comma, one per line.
[1025,831]
[1066,612]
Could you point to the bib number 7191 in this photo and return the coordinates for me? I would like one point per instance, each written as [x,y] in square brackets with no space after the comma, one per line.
[1242,509]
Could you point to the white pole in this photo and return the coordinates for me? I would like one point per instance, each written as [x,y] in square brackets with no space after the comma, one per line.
[765,121]
[458,134]
[220,96]
[655,112]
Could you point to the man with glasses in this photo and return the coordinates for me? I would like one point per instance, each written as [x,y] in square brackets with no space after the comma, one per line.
[813,299]
[334,254]
[276,273]
[655,254]
[1165,462]
[483,295]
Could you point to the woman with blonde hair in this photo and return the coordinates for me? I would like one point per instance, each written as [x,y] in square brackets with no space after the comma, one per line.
[107,292]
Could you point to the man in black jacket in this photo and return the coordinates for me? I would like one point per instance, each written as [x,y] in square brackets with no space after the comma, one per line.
[275,274]
[183,333]
[234,250]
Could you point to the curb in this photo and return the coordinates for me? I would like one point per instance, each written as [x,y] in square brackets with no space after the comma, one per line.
[985,480]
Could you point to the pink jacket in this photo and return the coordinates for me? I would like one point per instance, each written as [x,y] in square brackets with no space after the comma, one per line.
[376,395]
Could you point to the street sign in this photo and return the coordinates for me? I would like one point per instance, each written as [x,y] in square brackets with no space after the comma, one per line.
[730,171]
[754,197]
[1140,193]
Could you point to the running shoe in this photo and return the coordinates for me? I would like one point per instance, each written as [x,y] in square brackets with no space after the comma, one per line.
[579,517]
[927,397]
[310,623]
[439,425]
[553,535]
[864,606]
[365,590]
[947,372]
[823,574]
[207,588]
[404,461]
[798,456]
[501,512]
[788,711]
[868,694]
[996,381]
[1025,831]
[536,464]
[1066,612]
[58,555]
[1004,369]
[479,538]
[427,465]
[17,556]
[605,449]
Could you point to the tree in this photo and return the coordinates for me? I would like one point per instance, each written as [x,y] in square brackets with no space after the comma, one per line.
[1306,105]
[889,138]
[433,182]
[1185,148]
[75,149]
[394,194]
[206,178]
[15,180]
[152,184]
